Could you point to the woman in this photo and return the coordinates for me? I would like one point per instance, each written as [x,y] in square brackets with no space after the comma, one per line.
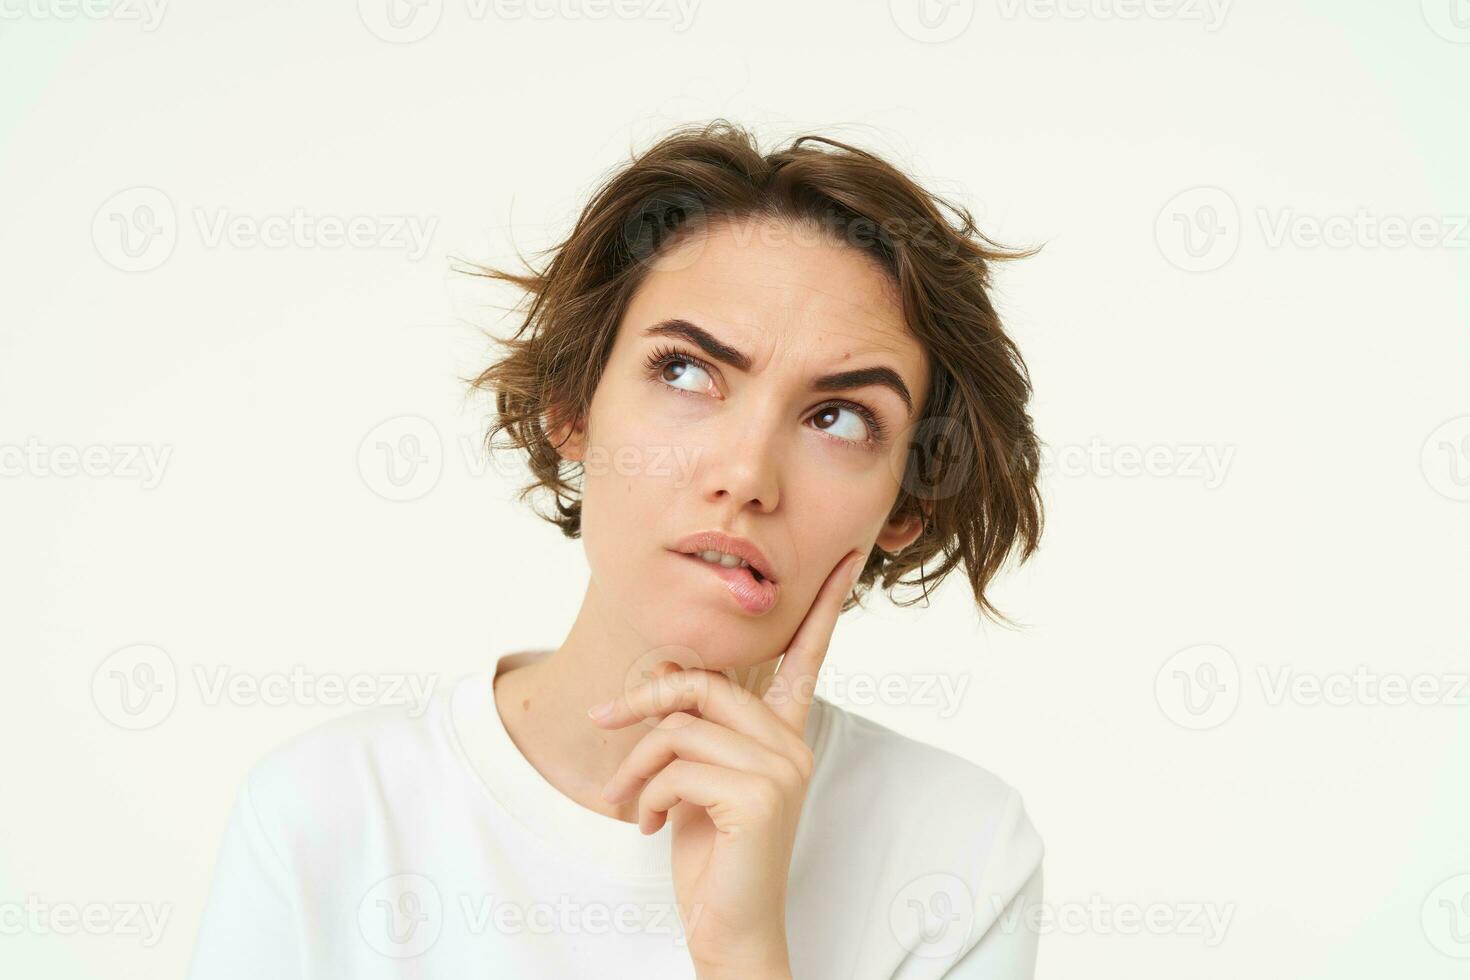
[721,377]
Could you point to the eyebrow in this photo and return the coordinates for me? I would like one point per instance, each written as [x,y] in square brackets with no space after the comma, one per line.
[837,381]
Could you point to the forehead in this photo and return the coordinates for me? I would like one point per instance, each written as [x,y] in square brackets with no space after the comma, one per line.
[780,291]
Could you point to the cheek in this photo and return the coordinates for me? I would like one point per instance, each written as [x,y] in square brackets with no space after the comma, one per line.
[630,483]
[640,461]
[826,518]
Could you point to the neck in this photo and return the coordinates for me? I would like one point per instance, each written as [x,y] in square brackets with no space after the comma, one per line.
[543,703]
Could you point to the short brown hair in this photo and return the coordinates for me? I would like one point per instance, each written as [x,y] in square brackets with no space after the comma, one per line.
[974,460]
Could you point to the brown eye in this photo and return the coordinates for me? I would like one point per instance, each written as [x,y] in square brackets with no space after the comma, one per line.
[668,367]
[855,428]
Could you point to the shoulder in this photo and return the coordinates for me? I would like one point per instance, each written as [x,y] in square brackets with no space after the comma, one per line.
[337,772]
[938,811]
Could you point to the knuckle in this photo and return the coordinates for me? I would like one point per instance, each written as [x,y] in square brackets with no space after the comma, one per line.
[666,691]
[805,761]
[791,777]
[766,797]
[676,720]
[700,684]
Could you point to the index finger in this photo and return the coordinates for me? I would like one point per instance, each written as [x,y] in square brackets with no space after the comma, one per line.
[795,680]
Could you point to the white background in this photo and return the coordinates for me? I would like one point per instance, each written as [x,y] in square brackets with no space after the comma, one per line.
[1329,381]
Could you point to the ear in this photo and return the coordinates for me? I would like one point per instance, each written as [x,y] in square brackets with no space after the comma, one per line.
[569,438]
[902,530]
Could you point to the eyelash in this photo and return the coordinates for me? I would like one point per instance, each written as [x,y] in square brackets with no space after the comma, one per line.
[662,356]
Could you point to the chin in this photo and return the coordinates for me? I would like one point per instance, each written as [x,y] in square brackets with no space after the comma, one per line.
[685,618]
[697,648]
[701,638]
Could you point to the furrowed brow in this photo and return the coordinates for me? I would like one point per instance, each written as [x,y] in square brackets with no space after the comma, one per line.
[702,339]
[862,377]
[840,381]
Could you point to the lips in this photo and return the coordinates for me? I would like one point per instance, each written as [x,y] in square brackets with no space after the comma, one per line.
[755,594]
[729,544]
[755,597]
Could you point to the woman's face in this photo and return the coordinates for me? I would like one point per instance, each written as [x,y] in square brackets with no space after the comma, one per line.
[743,438]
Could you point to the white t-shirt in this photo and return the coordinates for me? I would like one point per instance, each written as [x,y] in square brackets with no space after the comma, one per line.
[383,845]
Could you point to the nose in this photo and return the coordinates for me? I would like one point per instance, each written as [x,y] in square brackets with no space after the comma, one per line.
[743,465]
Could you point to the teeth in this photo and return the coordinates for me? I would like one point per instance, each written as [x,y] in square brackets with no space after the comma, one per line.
[720,558]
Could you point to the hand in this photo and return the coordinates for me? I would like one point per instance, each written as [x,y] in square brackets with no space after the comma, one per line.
[730,772]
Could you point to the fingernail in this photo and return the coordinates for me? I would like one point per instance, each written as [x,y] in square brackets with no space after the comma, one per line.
[607,791]
[599,711]
[857,570]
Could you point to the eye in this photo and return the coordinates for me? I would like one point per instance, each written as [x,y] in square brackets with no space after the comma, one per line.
[672,368]
[679,371]
[860,426]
